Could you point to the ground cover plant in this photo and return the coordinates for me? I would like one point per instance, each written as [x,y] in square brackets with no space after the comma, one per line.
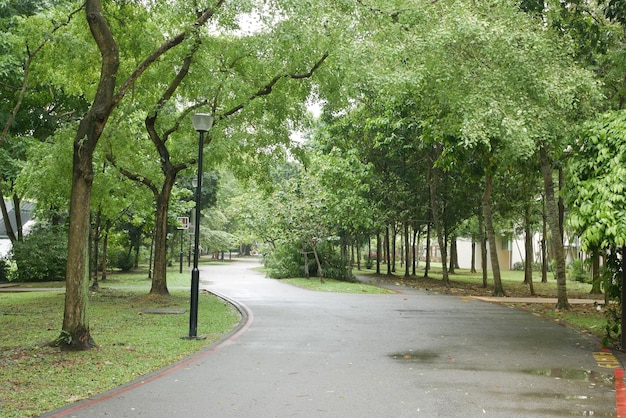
[36,377]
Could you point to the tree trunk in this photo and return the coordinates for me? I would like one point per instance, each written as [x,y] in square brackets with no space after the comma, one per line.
[18,216]
[434,207]
[95,231]
[5,217]
[427,261]
[388,250]
[528,249]
[414,249]
[358,255]
[319,265]
[75,334]
[453,256]
[555,236]
[498,290]
[596,282]
[306,263]
[407,253]
[544,246]
[159,276]
[483,248]
[105,250]
[392,256]
[378,250]
[473,263]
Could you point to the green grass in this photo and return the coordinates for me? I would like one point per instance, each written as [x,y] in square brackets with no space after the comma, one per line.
[336,286]
[36,378]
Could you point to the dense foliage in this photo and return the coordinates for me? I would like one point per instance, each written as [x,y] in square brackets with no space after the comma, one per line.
[41,256]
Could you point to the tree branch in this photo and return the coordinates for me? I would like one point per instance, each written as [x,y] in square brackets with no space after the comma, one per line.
[203,17]
[132,176]
[267,88]
[31,55]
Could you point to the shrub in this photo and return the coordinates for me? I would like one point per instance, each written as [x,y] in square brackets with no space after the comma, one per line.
[121,259]
[285,262]
[536,266]
[335,268]
[41,255]
[577,272]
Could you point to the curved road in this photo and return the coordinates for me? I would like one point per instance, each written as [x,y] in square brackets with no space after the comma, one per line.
[410,354]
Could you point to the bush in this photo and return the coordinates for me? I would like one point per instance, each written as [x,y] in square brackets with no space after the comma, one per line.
[121,259]
[335,268]
[41,256]
[536,266]
[286,262]
[577,272]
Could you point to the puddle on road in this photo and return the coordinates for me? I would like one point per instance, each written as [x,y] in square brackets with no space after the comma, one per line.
[586,402]
[415,356]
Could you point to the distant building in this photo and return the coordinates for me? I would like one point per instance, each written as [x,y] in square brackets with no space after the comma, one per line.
[26,209]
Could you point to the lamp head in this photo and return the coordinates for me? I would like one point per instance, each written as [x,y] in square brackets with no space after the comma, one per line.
[202,122]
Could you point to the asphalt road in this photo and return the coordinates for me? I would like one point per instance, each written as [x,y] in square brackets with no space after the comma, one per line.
[410,354]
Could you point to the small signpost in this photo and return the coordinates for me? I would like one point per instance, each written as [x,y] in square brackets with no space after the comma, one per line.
[183,224]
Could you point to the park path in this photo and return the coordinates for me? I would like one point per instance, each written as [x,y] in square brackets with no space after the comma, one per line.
[410,354]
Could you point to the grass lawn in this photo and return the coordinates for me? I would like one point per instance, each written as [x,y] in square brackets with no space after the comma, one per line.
[36,378]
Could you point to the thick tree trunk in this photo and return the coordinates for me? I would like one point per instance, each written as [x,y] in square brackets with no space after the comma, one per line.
[553,222]
[159,276]
[75,334]
[498,290]
[596,282]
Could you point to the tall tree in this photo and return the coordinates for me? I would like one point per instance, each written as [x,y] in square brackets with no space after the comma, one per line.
[75,333]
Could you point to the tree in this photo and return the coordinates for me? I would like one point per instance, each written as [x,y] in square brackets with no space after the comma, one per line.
[596,193]
[75,333]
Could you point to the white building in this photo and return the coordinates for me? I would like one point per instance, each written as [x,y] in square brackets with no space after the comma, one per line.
[26,209]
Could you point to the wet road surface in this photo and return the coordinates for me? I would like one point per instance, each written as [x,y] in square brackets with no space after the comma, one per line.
[410,354]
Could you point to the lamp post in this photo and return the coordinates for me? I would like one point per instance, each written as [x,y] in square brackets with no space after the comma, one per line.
[202,122]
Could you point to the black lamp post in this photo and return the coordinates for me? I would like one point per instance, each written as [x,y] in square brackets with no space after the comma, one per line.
[202,122]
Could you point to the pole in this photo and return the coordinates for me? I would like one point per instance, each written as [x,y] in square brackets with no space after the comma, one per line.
[181,251]
[195,272]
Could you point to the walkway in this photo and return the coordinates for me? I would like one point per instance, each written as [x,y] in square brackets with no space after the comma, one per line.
[312,354]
